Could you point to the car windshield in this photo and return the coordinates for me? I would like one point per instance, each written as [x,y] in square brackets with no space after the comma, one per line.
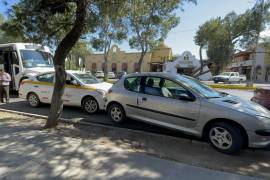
[226,74]
[86,78]
[35,58]
[199,87]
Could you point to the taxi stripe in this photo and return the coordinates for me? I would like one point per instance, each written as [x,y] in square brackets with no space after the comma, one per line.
[67,86]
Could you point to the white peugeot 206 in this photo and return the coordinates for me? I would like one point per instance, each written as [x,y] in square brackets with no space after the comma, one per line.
[81,89]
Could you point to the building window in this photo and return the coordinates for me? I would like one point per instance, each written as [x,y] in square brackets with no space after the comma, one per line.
[103,66]
[136,67]
[94,67]
[114,67]
[125,67]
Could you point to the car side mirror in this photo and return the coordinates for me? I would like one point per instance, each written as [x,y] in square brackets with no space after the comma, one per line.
[185,97]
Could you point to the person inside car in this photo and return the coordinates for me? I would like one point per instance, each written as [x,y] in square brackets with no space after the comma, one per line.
[165,92]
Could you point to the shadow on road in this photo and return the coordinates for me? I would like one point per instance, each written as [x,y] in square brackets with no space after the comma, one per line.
[101,117]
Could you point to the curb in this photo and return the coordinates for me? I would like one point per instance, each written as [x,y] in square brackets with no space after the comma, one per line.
[77,122]
[231,86]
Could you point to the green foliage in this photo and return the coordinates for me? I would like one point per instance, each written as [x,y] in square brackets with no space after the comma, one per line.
[80,50]
[150,21]
[7,37]
[222,37]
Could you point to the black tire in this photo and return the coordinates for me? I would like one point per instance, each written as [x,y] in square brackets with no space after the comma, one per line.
[33,100]
[215,82]
[90,105]
[113,110]
[237,140]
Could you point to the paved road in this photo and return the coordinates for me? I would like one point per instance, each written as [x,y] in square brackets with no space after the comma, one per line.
[30,154]
[76,113]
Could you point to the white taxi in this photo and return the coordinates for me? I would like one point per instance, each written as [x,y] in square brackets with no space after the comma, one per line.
[81,89]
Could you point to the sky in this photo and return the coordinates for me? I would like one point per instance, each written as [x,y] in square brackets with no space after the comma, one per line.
[181,38]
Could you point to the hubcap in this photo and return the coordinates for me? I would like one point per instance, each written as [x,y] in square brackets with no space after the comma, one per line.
[90,106]
[33,100]
[220,137]
[116,114]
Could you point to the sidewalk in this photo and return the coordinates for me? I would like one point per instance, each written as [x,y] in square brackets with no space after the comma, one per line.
[30,153]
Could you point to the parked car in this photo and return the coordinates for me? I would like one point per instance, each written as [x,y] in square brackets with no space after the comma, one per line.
[262,97]
[111,75]
[121,74]
[82,89]
[229,77]
[99,74]
[184,103]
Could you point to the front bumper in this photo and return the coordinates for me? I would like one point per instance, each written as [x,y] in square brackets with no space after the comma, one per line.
[259,141]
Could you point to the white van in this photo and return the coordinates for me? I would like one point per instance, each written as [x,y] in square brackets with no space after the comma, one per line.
[23,60]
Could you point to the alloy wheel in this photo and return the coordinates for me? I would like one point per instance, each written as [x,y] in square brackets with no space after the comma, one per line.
[91,105]
[116,114]
[221,138]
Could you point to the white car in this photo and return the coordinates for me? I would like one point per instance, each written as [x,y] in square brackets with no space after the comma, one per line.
[99,74]
[82,89]
[229,77]
[111,75]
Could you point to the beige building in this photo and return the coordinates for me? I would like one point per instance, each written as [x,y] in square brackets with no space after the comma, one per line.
[119,60]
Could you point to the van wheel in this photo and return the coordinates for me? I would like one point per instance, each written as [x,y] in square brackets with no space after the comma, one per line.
[90,105]
[33,100]
[225,137]
[117,113]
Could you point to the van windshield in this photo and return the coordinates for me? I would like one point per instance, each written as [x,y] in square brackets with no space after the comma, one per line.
[35,58]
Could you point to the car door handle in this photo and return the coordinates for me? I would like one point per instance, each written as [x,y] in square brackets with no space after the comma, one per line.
[144,99]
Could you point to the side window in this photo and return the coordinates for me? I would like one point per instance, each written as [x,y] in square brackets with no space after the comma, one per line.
[152,86]
[172,89]
[46,78]
[133,84]
[232,74]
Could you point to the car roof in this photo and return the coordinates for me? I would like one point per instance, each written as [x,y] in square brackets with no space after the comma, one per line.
[158,74]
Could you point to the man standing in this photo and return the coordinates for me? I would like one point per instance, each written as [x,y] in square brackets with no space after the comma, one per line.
[4,85]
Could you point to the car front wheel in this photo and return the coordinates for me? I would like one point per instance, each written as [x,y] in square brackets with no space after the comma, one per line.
[90,105]
[116,113]
[225,137]
[33,100]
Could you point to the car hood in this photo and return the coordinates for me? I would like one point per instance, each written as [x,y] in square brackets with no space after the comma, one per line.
[241,105]
[102,86]
[38,70]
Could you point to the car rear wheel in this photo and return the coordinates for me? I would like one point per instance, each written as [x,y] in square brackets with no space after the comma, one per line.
[33,100]
[116,113]
[225,137]
[90,105]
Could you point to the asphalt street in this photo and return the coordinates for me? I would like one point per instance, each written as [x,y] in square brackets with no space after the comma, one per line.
[76,113]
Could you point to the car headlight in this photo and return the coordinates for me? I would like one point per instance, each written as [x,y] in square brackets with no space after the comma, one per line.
[265,121]
[101,92]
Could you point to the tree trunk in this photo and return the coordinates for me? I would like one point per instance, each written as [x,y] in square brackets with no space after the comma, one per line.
[105,67]
[201,60]
[141,60]
[61,53]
